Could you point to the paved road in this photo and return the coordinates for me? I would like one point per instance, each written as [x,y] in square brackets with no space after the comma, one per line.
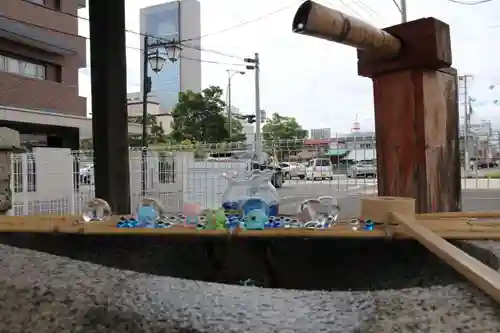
[348,196]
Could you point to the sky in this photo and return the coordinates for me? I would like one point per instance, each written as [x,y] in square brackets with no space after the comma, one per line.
[314,80]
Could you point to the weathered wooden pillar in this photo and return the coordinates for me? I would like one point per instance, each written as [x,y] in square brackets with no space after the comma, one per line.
[9,143]
[415,95]
[416,117]
[109,103]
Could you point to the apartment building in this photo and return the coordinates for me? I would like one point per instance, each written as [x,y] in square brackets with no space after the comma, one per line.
[135,109]
[40,55]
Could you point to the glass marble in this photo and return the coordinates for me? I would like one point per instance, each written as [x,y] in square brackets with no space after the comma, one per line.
[355,224]
[146,216]
[256,220]
[368,225]
[96,210]
[254,204]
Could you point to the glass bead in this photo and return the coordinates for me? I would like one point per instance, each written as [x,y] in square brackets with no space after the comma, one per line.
[96,210]
[354,223]
[146,216]
[369,225]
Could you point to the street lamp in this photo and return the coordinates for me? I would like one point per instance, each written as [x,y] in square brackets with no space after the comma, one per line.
[156,61]
[402,9]
[161,52]
[230,74]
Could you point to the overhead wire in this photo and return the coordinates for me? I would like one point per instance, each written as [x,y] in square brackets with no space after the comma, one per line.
[243,23]
[363,6]
[470,3]
[88,38]
[197,38]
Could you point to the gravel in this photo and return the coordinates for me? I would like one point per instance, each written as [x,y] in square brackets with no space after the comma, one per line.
[44,293]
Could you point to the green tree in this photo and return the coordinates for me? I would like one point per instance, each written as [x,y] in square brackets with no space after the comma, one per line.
[283,135]
[199,117]
[236,129]
[156,133]
[282,128]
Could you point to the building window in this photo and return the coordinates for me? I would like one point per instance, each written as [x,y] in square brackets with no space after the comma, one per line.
[18,173]
[22,67]
[166,169]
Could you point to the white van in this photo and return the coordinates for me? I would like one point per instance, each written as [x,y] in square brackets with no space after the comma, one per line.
[319,168]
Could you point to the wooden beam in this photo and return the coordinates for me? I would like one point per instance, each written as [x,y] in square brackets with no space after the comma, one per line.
[484,277]
[313,19]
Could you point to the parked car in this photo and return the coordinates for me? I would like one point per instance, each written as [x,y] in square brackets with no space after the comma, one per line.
[293,169]
[278,178]
[362,169]
[319,168]
[262,163]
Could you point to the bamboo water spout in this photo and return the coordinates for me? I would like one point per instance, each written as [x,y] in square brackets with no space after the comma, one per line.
[313,19]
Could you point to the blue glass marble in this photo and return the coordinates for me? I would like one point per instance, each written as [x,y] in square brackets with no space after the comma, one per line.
[146,216]
[192,220]
[274,210]
[256,220]
[369,225]
[230,205]
[255,204]
[232,224]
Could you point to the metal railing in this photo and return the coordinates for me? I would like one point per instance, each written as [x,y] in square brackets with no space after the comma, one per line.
[59,181]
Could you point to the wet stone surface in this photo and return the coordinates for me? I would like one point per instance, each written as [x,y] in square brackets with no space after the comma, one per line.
[120,284]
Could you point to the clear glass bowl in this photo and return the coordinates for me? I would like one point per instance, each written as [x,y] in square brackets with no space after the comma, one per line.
[248,191]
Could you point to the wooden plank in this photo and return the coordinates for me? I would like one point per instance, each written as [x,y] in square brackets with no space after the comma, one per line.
[451,215]
[475,271]
[464,231]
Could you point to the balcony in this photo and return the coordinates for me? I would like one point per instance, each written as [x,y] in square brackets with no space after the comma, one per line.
[43,39]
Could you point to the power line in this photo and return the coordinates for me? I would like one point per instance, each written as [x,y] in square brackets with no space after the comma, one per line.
[469,3]
[88,38]
[243,23]
[236,26]
[361,4]
[194,59]
[211,51]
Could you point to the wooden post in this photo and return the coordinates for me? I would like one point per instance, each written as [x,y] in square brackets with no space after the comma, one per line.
[416,117]
[415,95]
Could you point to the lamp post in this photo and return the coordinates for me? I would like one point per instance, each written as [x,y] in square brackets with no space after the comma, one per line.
[402,9]
[156,54]
[230,74]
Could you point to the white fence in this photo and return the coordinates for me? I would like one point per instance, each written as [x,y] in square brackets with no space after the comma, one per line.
[54,181]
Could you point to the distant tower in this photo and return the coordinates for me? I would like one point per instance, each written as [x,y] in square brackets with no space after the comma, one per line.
[356,126]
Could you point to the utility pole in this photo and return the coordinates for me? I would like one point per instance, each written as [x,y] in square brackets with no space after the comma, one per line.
[230,74]
[229,111]
[404,12]
[467,114]
[171,52]
[146,89]
[258,139]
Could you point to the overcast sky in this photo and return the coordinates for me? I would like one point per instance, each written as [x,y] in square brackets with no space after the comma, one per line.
[315,80]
